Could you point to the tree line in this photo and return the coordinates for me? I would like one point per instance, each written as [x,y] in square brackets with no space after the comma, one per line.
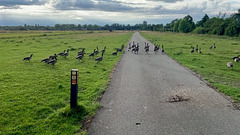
[90,27]
[218,25]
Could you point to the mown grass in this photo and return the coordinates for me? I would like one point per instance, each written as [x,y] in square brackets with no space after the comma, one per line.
[211,64]
[34,97]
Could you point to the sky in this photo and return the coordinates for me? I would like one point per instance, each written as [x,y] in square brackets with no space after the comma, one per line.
[101,12]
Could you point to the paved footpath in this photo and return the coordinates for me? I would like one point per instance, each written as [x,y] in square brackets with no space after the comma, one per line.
[135,101]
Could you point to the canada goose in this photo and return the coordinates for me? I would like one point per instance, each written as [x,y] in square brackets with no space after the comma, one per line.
[66,54]
[120,50]
[53,62]
[229,64]
[196,48]
[162,49]
[235,57]
[97,51]
[133,49]
[80,57]
[133,45]
[28,58]
[129,47]
[192,50]
[115,53]
[53,56]
[147,48]
[214,46]
[122,46]
[81,52]
[210,47]
[103,51]
[46,60]
[199,50]
[61,53]
[92,54]
[156,48]
[136,49]
[99,59]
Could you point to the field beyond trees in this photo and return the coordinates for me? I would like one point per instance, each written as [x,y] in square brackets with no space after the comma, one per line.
[34,96]
[211,64]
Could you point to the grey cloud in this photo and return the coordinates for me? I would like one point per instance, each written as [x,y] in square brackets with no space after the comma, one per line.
[11,3]
[167,1]
[101,5]
[112,6]
[184,10]
[74,5]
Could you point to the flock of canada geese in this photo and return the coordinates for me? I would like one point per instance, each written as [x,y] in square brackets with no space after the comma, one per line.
[229,64]
[80,55]
[133,47]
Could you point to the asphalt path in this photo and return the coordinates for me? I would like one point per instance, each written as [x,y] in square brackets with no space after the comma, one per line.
[136,101]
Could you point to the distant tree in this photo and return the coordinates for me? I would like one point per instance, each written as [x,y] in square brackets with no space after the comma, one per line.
[128,27]
[154,28]
[159,27]
[144,22]
[72,27]
[144,25]
[84,27]
[184,26]
[79,27]
[202,21]
[96,27]
[236,19]
[176,25]
[231,30]
[225,23]
[106,27]
[212,26]
[89,27]
[199,30]
[189,19]
[149,27]
[167,27]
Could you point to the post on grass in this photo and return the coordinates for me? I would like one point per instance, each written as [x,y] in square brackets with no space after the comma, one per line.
[74,88]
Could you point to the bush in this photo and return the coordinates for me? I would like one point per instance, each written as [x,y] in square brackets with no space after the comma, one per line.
[231,30]
[199,30]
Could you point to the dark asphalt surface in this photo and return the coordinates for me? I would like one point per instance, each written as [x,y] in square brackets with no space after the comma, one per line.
[135,101]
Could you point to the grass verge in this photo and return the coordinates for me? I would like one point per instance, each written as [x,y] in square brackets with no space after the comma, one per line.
[35,96]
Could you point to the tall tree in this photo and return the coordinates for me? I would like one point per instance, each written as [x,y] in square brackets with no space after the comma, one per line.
[236,18]
[184,26]
[176,25]
[231,30]
[189,19]
[202,21]
[212,26]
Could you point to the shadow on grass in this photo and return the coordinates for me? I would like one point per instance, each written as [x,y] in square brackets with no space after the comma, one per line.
[78,112]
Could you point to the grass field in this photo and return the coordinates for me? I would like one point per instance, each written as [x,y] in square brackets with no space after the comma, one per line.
[211,63]
[34,97]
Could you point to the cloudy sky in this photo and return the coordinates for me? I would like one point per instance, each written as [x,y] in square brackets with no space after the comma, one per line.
[101,12]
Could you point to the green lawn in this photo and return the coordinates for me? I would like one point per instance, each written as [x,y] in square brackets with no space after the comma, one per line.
[211,63]
[34,97]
